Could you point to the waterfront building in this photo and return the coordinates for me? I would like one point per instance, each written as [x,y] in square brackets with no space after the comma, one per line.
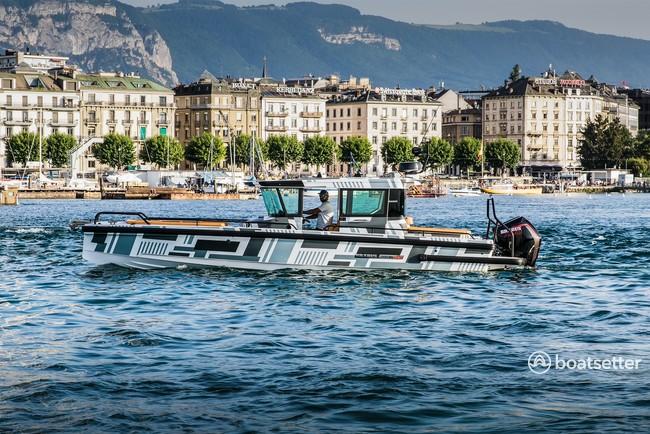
[224,107]
[545,116]
[123,104]
[38,103]
[450,100]
[642,98]
[292,111]
[12,59]
[460,123]
[381,114]
[618,105]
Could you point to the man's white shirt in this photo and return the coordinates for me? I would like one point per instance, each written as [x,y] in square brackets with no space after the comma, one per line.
[325,215]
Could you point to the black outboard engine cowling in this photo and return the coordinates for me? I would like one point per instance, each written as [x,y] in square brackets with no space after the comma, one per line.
[519,237]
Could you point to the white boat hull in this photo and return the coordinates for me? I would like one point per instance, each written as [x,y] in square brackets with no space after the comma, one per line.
[157,248]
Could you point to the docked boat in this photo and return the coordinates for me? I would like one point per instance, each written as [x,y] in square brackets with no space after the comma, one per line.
[512,189]
[372,231]
[466,191]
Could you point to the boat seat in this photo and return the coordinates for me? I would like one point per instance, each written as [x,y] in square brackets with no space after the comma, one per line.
[438,231]
[180,223]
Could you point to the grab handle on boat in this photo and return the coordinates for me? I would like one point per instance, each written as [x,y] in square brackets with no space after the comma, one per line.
[137,214]
[494,220]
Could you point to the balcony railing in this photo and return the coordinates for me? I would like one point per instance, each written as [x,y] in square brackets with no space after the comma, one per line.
[311,114]
[162,123]
[276,128]
[280,114]
[91,121]
[64,123]
[18,122]
[311,129]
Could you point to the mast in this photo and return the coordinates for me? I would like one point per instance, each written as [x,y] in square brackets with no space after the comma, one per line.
[40,146]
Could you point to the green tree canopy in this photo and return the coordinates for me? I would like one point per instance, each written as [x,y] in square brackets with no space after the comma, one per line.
[115,151]
[502,154]
[319,150]
[467,153]
[58,147]
[642,148]
[604,143]
[283,150]
[436,153]
[515,74]
[357,149]
[207,150]
[638,166]
[21,148]
[163,151]
[397,150]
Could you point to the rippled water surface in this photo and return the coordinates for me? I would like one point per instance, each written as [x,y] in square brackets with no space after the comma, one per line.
[113,350]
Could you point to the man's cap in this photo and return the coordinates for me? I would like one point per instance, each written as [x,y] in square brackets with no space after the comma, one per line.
[322,192]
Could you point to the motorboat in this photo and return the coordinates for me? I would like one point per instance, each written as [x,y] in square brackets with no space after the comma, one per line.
[512,189]
[371,231]
[465,191]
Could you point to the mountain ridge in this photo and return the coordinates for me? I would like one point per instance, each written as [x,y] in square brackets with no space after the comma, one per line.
[176,42]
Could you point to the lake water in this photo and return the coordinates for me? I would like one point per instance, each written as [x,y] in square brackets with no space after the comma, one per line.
[114,350]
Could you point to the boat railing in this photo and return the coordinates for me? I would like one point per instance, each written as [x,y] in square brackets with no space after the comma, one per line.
[99,215]
[494,224]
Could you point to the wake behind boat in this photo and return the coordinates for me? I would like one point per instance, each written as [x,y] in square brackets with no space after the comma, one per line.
[372,232]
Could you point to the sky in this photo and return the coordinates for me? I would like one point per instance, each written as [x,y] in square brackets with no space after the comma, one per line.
[615,17]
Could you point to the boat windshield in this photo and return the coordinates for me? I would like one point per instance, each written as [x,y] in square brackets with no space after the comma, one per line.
[363,203]
[282,202]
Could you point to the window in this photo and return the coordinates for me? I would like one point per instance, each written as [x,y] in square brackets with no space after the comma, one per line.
[363,203]
[394,112]
[359,112]
[374,111]
[285,202]
[25,101]
[349,114]
[163,101]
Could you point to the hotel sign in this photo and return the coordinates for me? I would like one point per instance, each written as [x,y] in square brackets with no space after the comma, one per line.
[295,90]
[572,83]
[545,81]
[400,92]
[243,86]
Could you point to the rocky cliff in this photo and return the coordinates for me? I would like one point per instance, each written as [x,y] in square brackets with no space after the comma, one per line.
[95,35]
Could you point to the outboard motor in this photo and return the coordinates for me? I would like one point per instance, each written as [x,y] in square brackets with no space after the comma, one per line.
[517,237]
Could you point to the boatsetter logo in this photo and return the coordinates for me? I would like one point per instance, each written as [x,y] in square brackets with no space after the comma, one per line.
[541,362]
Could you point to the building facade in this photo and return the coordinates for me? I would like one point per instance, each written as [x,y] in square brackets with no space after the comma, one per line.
[461,123]
[37,103]
[123,104]
[292,111]
[223,107]
[545,116]
[12,59]
[381,114]
[642,98]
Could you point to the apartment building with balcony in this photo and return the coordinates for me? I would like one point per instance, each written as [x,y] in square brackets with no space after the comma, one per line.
[224,107]
[38,103]
[460,123]
[124,104]
[381,114]
[545,116]
[293,111]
